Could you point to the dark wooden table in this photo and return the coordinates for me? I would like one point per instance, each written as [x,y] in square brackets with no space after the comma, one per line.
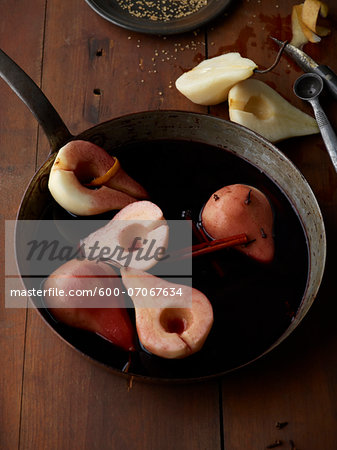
[50,396]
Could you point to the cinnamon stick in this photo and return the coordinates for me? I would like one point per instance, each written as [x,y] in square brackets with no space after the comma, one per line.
[211,246]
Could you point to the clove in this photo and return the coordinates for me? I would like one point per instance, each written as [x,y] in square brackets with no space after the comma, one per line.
[248,199]
[275,444]
[280,425]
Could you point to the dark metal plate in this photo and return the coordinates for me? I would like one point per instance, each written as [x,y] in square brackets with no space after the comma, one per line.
[120,15]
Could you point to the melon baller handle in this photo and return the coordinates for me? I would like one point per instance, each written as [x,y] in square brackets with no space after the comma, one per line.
[327,132]
[308,87]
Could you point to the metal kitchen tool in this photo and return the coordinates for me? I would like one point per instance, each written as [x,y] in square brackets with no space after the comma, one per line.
[307,64]
[308,87]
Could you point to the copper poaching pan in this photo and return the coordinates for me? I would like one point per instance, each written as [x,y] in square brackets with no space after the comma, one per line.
[178,126]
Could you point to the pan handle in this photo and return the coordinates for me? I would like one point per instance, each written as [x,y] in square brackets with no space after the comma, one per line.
[52,124]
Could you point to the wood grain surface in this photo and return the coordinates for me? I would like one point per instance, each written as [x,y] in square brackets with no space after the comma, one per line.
[18,134]
[53,398]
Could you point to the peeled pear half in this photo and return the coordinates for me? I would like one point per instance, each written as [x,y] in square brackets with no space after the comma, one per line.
[257,106]
[210,81]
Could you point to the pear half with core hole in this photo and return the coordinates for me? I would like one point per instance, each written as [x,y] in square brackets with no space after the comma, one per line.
[257,106]
[77,164]
[172,320]
[209,82]
[137,237]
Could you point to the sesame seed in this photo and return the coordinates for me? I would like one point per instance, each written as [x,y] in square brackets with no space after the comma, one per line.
[156,10]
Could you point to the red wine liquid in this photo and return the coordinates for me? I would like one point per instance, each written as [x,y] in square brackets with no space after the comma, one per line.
[253,303]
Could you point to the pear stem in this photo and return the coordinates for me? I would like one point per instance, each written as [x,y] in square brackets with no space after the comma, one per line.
[277,60]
